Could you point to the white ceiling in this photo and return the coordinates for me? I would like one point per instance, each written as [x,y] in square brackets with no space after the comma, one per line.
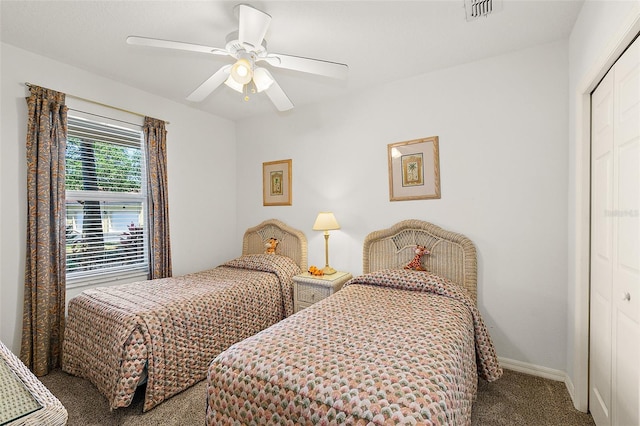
[381,41]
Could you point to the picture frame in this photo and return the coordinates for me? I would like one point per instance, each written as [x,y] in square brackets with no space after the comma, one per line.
[276,183]
[414,169]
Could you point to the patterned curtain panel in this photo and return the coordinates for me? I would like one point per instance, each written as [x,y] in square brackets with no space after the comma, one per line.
[44,283]
[155,136]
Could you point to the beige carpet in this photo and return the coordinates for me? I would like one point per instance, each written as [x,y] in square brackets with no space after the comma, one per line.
[515,399]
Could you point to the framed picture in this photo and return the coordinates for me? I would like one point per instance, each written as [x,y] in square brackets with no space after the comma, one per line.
[414,170]
[276,183]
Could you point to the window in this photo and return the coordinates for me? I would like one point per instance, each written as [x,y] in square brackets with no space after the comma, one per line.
[105,187]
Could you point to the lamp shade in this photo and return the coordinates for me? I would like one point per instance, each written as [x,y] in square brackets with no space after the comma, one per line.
[325,221]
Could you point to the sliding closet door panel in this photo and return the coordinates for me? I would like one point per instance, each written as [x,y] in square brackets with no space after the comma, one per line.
[601,251]
[626,248]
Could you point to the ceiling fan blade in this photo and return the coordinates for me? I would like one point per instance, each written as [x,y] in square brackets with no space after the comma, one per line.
[168,44]
[210,84]
[278,97]
[308,65]
[253,25]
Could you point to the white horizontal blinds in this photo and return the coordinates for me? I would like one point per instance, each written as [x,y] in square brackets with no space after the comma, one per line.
[103,157]
[105,200]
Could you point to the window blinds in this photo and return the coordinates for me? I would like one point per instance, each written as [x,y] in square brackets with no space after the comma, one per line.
[105,200]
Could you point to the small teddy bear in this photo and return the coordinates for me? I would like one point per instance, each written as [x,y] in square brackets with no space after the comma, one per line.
[271,246]
[416,263]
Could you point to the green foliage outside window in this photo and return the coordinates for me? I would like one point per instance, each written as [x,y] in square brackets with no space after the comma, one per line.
[117,168]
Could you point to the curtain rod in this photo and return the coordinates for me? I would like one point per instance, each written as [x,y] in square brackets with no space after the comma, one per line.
[99,103]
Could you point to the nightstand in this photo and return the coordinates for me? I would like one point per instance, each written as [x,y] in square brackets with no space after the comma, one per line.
[309,289]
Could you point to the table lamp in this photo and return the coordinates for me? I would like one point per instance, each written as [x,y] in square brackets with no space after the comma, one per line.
[325,222]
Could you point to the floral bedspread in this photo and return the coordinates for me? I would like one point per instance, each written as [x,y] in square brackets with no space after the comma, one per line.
[392,347]
[173,326]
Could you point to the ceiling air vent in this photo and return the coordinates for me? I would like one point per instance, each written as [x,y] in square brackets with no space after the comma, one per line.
[475,9]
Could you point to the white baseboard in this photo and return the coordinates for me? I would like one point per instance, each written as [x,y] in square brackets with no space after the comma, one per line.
[572,393]
[544,372]
[532,369]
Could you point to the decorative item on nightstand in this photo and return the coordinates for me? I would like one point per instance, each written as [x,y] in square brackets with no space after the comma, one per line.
[326,221]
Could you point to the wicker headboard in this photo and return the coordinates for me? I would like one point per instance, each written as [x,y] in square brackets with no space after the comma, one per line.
[453,255]
[292,242]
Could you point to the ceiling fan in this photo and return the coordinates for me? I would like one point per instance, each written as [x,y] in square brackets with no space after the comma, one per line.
[248,47]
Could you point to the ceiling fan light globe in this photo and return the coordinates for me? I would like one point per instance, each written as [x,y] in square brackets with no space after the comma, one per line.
[262,79]
[232,83]
[241,71]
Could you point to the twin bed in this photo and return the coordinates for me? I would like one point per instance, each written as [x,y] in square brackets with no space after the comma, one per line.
[167,331]
[394,346]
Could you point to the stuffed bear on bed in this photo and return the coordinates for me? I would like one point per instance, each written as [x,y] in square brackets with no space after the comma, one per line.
[416,263]
[271,246]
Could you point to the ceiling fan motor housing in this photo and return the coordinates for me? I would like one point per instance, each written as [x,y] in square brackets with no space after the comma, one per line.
[234,46]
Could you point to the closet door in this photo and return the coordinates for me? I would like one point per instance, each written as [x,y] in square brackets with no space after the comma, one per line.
[626,239]
[601,251]
[614,373]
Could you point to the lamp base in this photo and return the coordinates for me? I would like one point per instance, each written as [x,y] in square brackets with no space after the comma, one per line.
[328,270]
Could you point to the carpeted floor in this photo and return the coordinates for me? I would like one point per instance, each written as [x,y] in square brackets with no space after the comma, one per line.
[515,399]
[521,399]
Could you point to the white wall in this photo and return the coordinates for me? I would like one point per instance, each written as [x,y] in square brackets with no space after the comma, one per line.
[201,151]
[601,31]
[502,124]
